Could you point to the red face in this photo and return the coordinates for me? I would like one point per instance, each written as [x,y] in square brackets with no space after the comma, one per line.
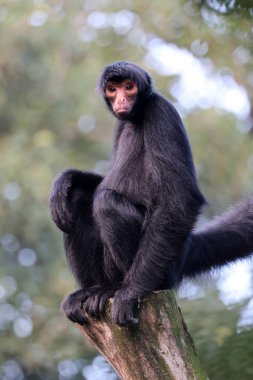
[121,96]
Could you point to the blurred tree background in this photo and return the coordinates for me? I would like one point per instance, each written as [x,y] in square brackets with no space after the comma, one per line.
[51,117]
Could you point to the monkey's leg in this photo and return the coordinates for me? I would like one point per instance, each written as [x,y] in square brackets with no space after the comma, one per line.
[60,201]
[120,223]
[84,253]
[99,257]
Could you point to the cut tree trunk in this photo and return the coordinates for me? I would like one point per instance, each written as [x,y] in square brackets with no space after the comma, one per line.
[158,348]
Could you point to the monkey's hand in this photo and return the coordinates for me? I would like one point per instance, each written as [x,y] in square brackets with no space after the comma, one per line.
[97,297]
[72,307]
[124,308]
[59,201]
[91,301]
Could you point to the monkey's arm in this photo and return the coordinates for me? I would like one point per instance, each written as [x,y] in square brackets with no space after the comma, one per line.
[63,187]
[153,267]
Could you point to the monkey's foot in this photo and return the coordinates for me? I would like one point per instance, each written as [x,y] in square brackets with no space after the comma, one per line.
[96,299]
[72,306]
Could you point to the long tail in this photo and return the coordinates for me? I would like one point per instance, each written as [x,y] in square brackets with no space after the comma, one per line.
[227,238]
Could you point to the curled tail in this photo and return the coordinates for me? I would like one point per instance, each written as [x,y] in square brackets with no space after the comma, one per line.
[226,238]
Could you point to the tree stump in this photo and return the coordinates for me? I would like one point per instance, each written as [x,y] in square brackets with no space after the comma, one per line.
[158,348]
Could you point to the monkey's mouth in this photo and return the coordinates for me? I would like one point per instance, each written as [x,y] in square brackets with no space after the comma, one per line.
[122,111]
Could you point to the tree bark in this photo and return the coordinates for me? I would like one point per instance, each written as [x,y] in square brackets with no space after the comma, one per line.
[158,348]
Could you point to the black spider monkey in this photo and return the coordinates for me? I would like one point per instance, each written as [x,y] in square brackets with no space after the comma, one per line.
[132,231]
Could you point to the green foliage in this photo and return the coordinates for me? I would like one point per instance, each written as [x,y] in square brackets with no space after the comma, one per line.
[228,6]
[227,351]
[51,117]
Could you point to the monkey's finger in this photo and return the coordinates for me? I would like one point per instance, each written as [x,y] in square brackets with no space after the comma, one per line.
[102,305]
[76,316]
[128,320]
[103,300]
[91,306]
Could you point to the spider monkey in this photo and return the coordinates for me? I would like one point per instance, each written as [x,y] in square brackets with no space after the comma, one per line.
[132,231]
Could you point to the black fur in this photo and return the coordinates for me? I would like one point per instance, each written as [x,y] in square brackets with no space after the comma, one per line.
[132,231]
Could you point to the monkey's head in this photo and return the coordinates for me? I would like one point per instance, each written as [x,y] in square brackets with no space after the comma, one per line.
[125,87]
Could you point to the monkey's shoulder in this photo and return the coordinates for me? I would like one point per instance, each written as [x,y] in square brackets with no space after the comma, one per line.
[161,115]
[161,107]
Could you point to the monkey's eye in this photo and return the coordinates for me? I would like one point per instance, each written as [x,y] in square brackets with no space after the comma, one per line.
[129,86]
[110,89]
